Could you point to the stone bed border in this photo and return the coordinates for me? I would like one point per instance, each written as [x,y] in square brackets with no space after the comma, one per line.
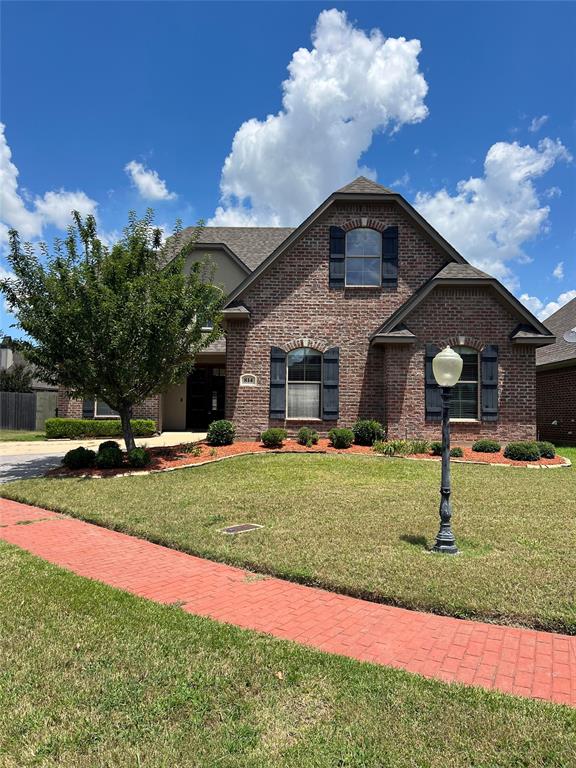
[141,472]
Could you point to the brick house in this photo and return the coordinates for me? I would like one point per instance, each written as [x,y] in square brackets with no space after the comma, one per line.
[340,318]
[556,380]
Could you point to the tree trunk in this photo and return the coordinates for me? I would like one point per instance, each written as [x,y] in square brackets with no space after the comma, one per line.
[125,416]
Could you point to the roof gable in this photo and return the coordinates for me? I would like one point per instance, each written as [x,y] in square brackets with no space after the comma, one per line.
[363,186]
[562,351]
[251,245]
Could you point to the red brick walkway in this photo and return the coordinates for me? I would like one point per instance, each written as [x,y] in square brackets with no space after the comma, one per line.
[520,661]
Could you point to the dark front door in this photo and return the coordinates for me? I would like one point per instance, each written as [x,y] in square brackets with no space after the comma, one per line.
[205,397]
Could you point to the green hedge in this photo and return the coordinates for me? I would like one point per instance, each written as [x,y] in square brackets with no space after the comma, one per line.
[80,428]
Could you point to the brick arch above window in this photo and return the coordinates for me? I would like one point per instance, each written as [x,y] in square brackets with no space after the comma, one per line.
[462,341]
[364,222]
[319,344]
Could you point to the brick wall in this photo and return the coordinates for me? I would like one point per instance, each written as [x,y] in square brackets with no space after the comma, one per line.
[556,402]
[72,409]
[292,300]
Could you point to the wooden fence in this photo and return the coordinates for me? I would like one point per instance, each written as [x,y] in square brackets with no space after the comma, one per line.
[26,410]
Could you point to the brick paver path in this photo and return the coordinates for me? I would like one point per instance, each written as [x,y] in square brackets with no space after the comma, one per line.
[520,661]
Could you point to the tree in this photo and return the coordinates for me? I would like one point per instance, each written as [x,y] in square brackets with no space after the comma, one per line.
[17,378]
[119,324]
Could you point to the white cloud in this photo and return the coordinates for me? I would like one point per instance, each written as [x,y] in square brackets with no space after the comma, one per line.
[537,123]
[542,310]
[552,192]
[401,181]
[489,219]
[559,271]
[149,185]
[54,207]
[350,85]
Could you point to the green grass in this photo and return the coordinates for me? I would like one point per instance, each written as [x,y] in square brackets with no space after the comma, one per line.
[359,525]
[92,677]
[20,435]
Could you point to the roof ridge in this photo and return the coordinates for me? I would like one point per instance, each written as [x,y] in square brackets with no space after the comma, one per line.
[363,185]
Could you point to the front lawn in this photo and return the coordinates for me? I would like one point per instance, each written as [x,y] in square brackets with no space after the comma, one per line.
[358,525]
[20,435]
[92,677]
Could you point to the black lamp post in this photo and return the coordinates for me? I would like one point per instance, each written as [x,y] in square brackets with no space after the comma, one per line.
[447,368]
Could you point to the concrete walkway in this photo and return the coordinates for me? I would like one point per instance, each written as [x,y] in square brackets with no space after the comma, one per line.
[525,662]
[48,447]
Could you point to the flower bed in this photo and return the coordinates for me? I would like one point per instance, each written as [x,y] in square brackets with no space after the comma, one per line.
[176,456]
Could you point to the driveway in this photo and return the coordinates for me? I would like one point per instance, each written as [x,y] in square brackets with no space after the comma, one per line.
[19,467]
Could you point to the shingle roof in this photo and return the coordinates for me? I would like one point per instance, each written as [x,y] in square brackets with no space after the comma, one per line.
[251,244]
[364,186]
[455,271]
[561,351]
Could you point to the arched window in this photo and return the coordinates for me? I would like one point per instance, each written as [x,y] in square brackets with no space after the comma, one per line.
[363,257]
[304,383]
[465,395]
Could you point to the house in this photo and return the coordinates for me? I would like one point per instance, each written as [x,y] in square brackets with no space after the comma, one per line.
[340,318]
[556,380]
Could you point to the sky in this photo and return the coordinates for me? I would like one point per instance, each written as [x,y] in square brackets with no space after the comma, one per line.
[252,113]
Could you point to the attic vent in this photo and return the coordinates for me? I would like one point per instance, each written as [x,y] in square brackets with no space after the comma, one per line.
[243,528]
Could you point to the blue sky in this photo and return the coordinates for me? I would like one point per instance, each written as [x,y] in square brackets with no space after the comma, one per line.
[111,106]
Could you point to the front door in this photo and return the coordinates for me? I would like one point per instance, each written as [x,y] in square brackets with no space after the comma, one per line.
[204,397]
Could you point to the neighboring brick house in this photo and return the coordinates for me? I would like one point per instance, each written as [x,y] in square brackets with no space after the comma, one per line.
[340,318]
[556,380]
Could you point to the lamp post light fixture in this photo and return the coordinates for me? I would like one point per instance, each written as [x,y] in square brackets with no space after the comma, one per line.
[447,369]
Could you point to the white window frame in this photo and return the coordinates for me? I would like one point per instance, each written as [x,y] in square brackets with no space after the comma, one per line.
[467,381]
[320,382]
[103,416]
[365,256]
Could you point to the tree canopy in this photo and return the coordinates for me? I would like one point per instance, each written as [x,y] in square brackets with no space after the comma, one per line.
[117,323]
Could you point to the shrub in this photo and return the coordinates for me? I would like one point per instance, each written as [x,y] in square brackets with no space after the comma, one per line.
[109,458]
[367,432]
[221,433]
[385,447]
[341,437]
[418,446]
[192,448]
[456,452]
[436,448]
[485,445]
[307,436]
[108,444]
[79,458]
[80,428]
[522,451]
[139,457]
[547,450]
[274,437]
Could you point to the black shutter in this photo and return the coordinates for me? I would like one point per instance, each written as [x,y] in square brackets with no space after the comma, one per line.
[489,382]
[390,256]
[88,409]
[277,383]
[330,377]
[433,393]
[337,257]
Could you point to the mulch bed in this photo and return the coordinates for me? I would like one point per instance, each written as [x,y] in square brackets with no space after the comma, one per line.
[177,456]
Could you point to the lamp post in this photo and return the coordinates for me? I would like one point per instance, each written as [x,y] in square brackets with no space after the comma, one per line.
[447,368]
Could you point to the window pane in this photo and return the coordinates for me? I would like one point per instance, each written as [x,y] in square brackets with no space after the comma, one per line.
[363,242]
[470,367]
[363,271]
[464,403]
[304,365]
[103,409]
[304,401]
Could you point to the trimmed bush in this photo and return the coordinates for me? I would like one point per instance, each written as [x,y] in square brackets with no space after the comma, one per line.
[547,450]
[368,432]
[385,447]
[109,458]
[341,437]
[221,432]
[523,450]
[80,428]
[456,452]
[436,448]
[79,458]
[139,457]
[485,445]
[274,437]
[307,436]
[108,444]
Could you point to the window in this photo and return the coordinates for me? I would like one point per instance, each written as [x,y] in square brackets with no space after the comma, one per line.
[363,257]
[103,411]
[304,380]
[464,402]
